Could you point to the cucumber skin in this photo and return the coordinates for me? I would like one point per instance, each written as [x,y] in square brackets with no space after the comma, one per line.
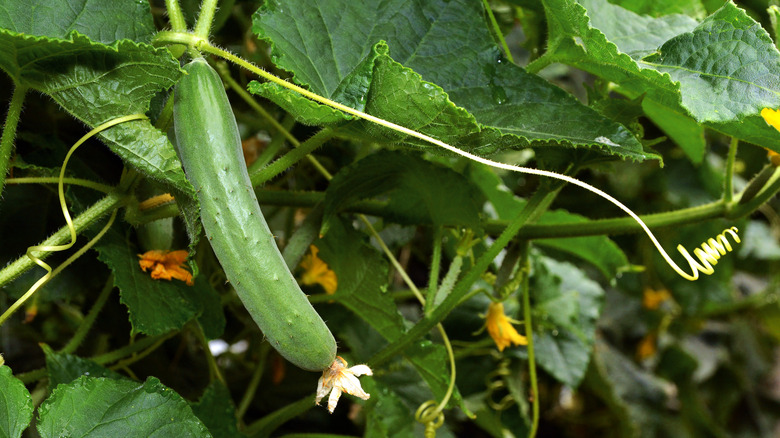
[209,147]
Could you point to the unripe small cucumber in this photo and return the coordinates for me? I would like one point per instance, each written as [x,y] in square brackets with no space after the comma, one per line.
[209,146]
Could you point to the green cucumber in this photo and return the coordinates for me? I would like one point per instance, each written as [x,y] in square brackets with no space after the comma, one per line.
[209,147]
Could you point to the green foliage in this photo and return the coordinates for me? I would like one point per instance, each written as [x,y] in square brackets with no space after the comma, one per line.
[635,97]
[106,407]
[15,405]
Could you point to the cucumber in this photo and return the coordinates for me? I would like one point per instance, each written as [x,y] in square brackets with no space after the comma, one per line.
[209,147]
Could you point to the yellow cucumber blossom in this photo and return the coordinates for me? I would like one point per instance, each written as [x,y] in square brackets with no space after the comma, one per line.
[500,328]
[166,265]
[316,271]
[337,379]
[652,299]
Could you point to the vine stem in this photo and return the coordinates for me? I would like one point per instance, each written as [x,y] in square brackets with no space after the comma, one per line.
[206,16]
[54,180]
[529,334]
[728,182]
[292,157]
[86,324]
[9,131]
[433,281]
[175,16]
[497,31]
[249,394]
[111,202]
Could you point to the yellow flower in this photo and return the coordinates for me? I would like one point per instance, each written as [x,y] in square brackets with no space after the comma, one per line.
[652,299]
[646,347]
[500,328]
[166,265]
[337,379]
[317,272]
[771,117]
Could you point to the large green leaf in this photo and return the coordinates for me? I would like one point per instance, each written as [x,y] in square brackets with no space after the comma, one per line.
[103,21]
[159,306]
[16,406]
[68,57]
[417,191]
[692,8]
[466,93]
[100,407]
[567,305]
[722,72]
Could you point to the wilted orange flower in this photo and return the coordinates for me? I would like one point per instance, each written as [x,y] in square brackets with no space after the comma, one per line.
[337,379]
[317,272]
[166,265]
[499,327]
[652,299]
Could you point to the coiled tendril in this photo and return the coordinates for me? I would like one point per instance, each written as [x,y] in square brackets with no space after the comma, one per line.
[430,416]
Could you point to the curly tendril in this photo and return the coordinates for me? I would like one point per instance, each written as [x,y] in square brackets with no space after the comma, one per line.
[50,273]
[429,415]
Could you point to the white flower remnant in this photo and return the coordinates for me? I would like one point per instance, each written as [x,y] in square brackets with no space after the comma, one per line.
[337,379]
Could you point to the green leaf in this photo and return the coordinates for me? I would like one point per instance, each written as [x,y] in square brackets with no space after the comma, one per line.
[65,368]
[635,35]
[480,103]
[722,72]
[656,8]
[727,66]
[103,21]
[16,406]
[417,191]
[216,410]
[362,288]
[600,251]
[96,82]
[387,414]
[100,407]
[304,110]
[567,305]
[158,306]
[681,128]
[759,242]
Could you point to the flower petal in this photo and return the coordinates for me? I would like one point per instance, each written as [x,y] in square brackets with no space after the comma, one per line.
[360,370]
[333,400]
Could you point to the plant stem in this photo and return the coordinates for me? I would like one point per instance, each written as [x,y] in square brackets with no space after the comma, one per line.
[531,231]
[728,182]
[770,189]
[105,358]
[497,31]
[86,324]
[9,131]
[433,281]
[205,17]
[529,334]
[273,148]
[537,204]
[292,157]
[249,395]
[539,63]
[83,221]
[266,425]
[175,16]
[54,180]
[214,372]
